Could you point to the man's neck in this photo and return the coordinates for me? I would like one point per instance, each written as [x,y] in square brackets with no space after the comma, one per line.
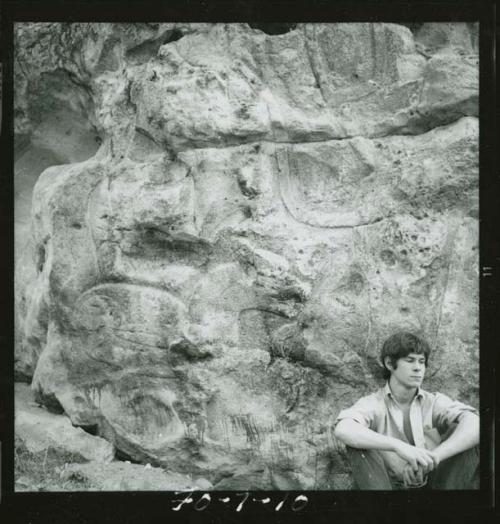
[401,394]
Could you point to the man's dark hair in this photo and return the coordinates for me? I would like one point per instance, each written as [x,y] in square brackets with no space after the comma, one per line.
[401,345]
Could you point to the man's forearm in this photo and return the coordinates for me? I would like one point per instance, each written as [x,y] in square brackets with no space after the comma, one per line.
[358,436]
[465,436]
[355,435]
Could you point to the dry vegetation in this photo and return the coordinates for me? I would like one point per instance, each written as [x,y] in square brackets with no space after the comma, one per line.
[46,470]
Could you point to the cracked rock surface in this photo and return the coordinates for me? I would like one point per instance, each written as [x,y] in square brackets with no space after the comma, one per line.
[217,227]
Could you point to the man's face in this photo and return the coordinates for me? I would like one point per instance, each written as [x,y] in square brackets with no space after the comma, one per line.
[409,370]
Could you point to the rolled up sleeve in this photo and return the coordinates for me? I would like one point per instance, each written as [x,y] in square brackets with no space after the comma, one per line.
[363,412]
[447,411]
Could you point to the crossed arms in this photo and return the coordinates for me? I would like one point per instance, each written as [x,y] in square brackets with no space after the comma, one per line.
[465,436]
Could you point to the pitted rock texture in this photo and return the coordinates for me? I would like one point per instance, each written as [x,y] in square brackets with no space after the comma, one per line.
[230,222]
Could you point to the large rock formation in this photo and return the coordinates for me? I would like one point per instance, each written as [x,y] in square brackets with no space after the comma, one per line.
[40,430]
[229,223]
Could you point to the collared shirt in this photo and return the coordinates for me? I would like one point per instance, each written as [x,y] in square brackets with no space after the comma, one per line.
[431,415]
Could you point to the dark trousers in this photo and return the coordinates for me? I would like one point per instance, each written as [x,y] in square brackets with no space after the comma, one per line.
[458,472]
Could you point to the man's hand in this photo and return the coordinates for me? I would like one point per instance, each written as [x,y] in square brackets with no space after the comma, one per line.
[412,478]
[416,457]
[436,457]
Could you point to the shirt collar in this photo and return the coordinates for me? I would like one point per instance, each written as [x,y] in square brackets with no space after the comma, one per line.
[388,392]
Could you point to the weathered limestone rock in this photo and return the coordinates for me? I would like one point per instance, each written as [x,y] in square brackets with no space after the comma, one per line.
[39,430]
[229,224]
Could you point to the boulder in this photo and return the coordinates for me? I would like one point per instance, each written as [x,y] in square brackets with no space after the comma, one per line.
[226,223]
[40,430]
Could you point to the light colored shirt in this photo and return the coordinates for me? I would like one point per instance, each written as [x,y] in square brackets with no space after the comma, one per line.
[431,418]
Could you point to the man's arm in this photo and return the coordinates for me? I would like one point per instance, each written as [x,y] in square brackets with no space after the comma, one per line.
[465,436]
[355,435]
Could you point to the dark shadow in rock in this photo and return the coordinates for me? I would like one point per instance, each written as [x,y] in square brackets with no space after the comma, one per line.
[61,108]
[125,449]
[172,36]
[40,258]
[124,457]
[273,28]
[165,242]
[148,49]
[91,429]
[356,283]
[293,293]
[388,257]
[245,188]
[21,375]
[109,60]
[189,351]
[413,26]
[288,342]
[49,401]
[427,118]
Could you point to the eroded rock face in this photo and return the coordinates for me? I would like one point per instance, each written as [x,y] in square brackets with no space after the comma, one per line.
[232,223]
[41,430]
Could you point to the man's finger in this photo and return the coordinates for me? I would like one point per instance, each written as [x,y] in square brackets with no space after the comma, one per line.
[408,476]
[435,460]
[421,460]
[428,459]
[408,479]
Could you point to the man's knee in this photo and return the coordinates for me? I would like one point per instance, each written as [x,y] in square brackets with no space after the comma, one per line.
[352,451]
[458,472]
[468,458]
[356,455]
[364,454]
[368,469]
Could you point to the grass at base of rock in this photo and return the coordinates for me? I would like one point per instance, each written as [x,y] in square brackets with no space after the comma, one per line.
[44,470]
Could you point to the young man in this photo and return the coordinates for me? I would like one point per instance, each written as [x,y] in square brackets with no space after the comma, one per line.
[403,437]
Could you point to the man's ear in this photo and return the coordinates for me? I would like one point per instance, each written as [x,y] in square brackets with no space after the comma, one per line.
[388,363]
